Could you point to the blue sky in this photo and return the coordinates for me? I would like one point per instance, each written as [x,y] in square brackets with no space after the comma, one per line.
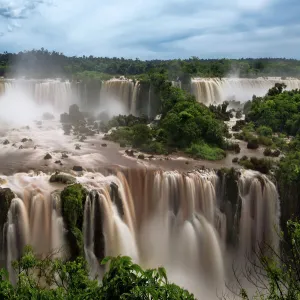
[150,29]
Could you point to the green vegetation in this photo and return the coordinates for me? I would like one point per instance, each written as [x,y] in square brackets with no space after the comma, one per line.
[185,125]
[46,64]
[56,279]
[262,165]
[72,201]
[278,110]
[205,151]
[277,277]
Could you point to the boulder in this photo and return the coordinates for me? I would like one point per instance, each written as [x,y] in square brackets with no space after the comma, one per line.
[58,162]
[141,156]
[82,139]
[129,152]
[77,147]
[64,155]
[104,145]
[24,140]
[48,156]
[77,169]
[62,178]
[21,147]
[6,142]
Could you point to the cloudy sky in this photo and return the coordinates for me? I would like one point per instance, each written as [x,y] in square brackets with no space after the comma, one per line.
[150,29]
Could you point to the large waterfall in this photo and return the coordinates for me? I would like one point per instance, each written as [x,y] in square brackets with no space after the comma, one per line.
[114,96]
[179,220]
[123,96]
[215,90]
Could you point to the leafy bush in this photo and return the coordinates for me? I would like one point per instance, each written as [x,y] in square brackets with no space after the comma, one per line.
[267,152]
[253,144]
[262,165]
[57,279]
[141,134]
[204,151]
[264,131]
[266,141]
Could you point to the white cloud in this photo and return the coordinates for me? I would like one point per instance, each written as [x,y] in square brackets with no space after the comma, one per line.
[141,28]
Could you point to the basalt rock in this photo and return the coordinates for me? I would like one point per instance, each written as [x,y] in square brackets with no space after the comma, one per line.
[24,140]
[62,178]
[141,156]
[64,155]
[6,142]
[77,169]
[48,156]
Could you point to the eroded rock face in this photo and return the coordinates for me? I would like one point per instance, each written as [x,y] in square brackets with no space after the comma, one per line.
[6,196]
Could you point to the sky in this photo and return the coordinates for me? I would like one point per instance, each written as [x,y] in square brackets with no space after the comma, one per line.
[149,29]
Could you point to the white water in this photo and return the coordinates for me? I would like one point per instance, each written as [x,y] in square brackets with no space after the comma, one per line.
[215,90]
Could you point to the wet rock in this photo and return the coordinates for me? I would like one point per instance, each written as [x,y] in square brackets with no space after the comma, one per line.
[48,156]
[47,116]
[30,140]
[58,162]
[151,157]
[64,155]
[104,145]
[35,147]
[77,169]
[77,147]
[2,181]
[62,178]
[187,163]
[129,152]
[235,160]
[24,140]
[6,142]
[14,145]
[21,147]
[83,138]
[141,156]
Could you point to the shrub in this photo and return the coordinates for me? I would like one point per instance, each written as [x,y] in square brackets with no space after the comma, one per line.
[253,144]
[233,147]
[267,152]
[265,131]
[235,160]
[204,151]
[266,141]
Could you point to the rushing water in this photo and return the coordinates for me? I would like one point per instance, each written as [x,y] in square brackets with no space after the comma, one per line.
[157,217]
[215,90]
[123,96]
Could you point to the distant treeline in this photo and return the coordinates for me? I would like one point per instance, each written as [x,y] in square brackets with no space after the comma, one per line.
[46,64]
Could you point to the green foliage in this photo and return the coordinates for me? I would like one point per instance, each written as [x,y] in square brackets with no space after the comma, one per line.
[141,134]
[280,274]
[50,278]
[72,200]
[262,165]
[278,110]
[51,64]
[264,131]
[204,151]
[220,111]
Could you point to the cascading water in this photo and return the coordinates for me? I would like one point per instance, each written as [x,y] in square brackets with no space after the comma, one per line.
[215,91]
[157,217]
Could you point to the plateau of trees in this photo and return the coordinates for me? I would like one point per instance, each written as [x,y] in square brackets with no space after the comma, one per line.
[51,64]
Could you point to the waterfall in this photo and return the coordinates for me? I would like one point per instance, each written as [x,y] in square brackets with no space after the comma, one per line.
[214,90]
[156,217]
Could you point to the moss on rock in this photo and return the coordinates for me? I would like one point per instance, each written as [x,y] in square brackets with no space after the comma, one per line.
[72,200]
